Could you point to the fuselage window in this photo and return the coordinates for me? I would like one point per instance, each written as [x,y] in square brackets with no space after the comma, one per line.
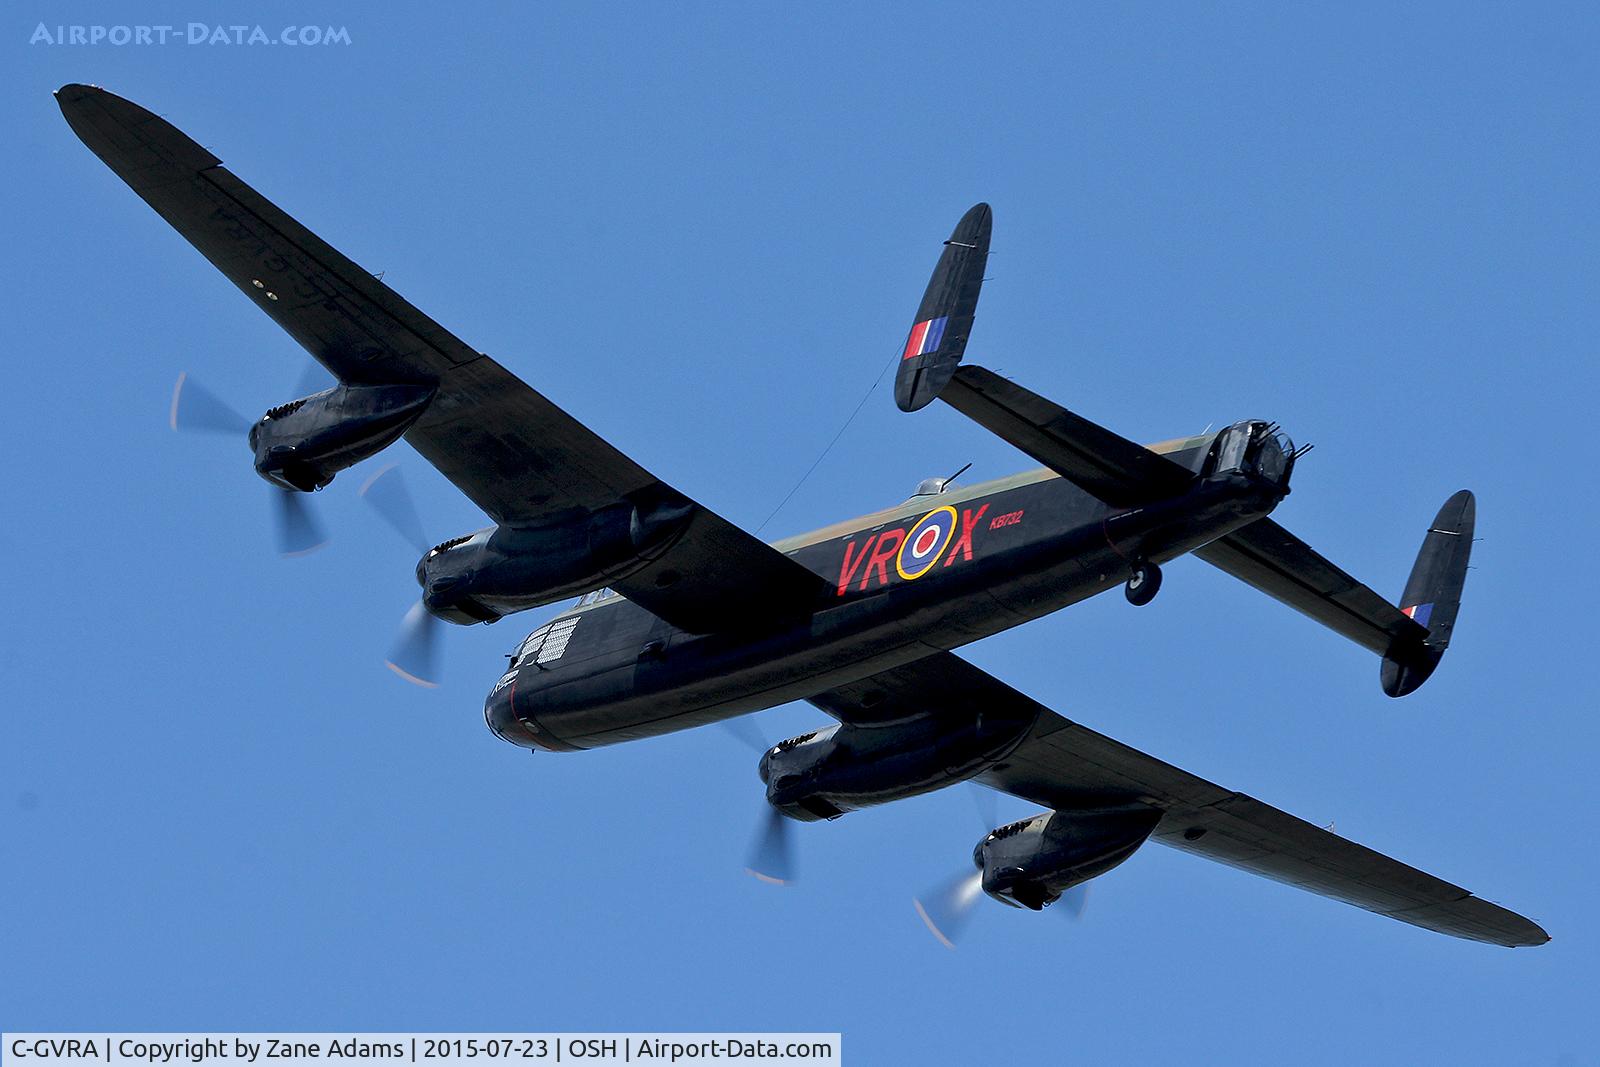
[596,597]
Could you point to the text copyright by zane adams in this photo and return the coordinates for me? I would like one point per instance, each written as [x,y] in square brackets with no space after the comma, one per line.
[423,1050]
[193,33]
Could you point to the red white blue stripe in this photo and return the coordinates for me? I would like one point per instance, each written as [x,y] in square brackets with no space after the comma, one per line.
[1419,613]
[925,337]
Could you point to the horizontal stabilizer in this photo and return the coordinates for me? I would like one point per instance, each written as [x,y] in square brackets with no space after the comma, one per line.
[939,333]
[1119,471]
[1278,563]
[1410,638]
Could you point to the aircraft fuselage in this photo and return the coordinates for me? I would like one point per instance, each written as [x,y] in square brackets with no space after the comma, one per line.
[932,574]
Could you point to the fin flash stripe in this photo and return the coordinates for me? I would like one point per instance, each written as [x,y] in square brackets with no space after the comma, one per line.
[925,337]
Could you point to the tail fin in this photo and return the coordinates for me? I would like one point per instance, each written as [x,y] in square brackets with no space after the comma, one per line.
[1411,638]
[1433,594]
[939,333]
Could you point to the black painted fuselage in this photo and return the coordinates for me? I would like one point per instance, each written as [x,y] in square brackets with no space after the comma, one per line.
[932,574]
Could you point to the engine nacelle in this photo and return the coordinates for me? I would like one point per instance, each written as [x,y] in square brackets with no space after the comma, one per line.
[822,775]
[1029,864]
[487,575]
[301,445]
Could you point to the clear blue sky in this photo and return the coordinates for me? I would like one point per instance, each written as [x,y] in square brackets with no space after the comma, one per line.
[703,230]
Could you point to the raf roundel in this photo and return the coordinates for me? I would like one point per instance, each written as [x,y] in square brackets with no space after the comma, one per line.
[925,543]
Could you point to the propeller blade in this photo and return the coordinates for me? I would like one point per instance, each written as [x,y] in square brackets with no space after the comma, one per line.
[313,379]
[947,909]
[1074,900]
[746,732]
[416,650]
[987,803]
[386,492]
[770,860]
[299,534]
[194,407]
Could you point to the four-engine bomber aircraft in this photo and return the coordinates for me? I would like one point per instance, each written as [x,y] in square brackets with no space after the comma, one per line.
[684,619]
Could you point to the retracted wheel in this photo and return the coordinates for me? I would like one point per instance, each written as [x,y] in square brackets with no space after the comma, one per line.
[1143,584]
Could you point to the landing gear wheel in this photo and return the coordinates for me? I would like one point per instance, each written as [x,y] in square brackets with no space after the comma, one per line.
[1143,584]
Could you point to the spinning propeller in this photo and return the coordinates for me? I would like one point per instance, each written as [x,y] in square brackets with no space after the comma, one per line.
[947,909]
[772,854]
[414,655]
[772,857]
[197,409]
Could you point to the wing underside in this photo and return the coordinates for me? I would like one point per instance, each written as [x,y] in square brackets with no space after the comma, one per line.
[509,449]
[1065,766]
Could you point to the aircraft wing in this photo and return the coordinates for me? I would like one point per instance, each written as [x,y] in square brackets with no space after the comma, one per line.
[1062,765]
[514,453]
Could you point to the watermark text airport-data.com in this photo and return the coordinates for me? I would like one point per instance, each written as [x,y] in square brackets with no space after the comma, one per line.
[192,33]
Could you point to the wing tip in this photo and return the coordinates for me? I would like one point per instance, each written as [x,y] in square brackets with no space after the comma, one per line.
[123,134]
[74,98]
[1534,936]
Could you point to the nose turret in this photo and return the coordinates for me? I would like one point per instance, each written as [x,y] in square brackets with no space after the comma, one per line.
[520,728]
[499,713]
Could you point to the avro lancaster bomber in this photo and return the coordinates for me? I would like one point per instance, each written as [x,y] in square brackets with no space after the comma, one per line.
[683,619]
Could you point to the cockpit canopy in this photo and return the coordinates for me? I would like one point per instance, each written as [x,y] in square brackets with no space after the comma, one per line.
[599,596]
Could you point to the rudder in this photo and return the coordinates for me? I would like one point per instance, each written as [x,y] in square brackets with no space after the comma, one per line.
[1432,595]
[939,333]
